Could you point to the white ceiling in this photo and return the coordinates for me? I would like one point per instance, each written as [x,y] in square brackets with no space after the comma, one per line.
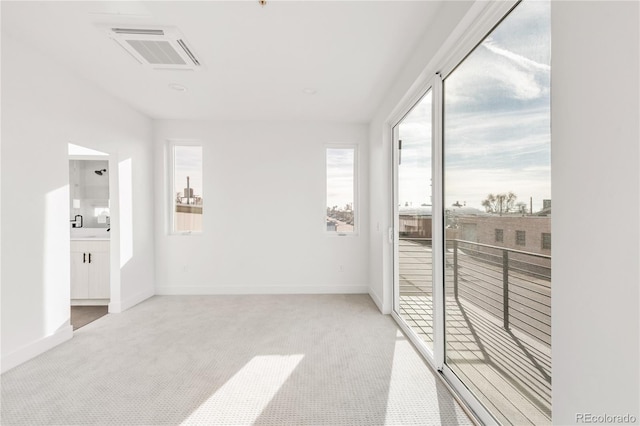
[258,59]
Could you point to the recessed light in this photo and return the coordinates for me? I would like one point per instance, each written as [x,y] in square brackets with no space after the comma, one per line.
[178,87]
[309,91]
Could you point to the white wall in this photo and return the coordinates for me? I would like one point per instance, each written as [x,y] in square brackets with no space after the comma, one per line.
[264,211]
[43,109]
[596,214]
[595,222]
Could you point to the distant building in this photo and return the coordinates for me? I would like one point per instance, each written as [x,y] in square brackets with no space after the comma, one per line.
[546,208]
[523,233]
[530,233]
[414,222]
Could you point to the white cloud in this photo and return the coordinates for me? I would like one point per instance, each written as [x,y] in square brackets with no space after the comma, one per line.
[522,61]
[497,114]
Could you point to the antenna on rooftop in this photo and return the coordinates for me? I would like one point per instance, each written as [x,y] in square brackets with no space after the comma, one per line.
[188,191]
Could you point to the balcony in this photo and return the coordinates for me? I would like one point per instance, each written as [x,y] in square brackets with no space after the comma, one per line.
[498,322]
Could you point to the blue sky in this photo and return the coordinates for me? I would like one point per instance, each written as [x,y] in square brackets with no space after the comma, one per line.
[497,119]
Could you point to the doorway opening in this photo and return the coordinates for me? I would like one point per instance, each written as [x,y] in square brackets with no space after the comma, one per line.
[90,234]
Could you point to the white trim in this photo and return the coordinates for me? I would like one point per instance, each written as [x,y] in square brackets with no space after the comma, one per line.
[395,153]
[174,290]
[36,348]
[118,307]
[170,154]
[356,186]
[87,157]
[437,223]
[89,302]
[115,277]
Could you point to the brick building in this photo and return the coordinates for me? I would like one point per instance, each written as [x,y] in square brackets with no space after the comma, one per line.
[525,233]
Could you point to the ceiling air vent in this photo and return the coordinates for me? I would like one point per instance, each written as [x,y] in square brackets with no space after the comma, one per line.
[158,48]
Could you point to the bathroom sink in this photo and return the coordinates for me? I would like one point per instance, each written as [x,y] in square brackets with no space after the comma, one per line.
[89,233]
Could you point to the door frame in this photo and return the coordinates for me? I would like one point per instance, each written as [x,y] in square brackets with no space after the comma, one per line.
[114,220]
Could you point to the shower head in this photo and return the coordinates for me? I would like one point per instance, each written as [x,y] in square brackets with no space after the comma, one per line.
[100,172]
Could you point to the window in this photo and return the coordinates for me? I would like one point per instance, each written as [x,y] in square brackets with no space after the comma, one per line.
[186,188]
[521,238]
[546,241]
[499,235]
[340,197]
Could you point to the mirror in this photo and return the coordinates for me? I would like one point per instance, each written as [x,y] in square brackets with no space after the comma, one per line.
[89,192]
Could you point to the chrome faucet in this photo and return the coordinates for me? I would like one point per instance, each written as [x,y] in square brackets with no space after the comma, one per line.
[74,222]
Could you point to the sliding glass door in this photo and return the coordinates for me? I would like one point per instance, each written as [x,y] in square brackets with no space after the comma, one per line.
[413,212]
[497,198]
[472,207]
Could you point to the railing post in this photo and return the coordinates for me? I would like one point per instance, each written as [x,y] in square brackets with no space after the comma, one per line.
[455,269]
[505,288]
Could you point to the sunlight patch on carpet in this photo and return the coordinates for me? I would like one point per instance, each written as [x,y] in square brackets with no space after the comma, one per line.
[242,398]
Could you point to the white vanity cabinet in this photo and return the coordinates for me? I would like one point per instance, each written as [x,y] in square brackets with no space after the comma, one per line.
[90,272]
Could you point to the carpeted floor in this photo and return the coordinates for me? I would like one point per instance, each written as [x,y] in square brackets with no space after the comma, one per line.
[83,315]
[232,360]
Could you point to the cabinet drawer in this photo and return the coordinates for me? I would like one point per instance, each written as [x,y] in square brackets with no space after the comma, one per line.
[90,246]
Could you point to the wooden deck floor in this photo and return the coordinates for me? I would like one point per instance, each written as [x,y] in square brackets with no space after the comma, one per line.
[508,370]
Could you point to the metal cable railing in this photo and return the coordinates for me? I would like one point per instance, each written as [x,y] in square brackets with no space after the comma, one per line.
[512,285]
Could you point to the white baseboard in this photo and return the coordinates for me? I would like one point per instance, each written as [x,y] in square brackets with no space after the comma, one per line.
[116,307]
[255,289]
[89,302]
[36,348]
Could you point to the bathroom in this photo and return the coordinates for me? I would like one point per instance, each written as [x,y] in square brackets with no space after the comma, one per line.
[90,237]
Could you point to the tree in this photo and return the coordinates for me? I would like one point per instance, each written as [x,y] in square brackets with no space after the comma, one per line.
[500,203]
